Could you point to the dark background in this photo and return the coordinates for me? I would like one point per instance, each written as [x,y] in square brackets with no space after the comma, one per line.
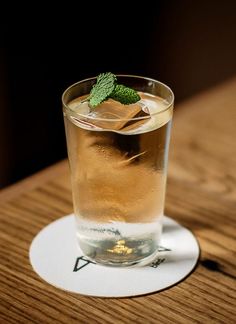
[189,45]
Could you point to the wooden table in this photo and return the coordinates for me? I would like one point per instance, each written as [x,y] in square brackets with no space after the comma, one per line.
[201,195]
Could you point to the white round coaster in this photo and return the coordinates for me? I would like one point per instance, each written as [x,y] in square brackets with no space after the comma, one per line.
[55,256]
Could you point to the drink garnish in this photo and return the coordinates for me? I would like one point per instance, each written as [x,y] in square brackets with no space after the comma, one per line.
[124,95]
[106,87]
[102,89]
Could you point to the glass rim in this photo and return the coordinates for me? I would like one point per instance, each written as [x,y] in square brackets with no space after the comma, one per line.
[117,119]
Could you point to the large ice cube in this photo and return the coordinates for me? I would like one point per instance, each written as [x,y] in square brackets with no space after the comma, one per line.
[116,116]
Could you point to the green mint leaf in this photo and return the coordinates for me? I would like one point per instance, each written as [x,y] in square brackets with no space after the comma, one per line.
[102,89]
[124,94]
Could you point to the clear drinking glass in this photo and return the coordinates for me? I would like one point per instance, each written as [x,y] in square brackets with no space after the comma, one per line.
[118,170]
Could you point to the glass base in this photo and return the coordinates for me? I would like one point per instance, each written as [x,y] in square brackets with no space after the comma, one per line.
[121,253]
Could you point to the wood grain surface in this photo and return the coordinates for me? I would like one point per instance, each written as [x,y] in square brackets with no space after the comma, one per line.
[201,195]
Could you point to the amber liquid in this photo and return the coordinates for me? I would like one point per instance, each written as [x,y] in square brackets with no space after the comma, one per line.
[118,185]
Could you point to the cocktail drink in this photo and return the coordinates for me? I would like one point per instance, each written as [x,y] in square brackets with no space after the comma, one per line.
[118,160]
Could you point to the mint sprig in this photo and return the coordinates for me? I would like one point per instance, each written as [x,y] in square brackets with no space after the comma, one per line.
[124,95]
[106,87]
[102,89]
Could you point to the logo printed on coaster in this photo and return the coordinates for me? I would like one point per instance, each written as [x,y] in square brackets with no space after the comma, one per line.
[56,258]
